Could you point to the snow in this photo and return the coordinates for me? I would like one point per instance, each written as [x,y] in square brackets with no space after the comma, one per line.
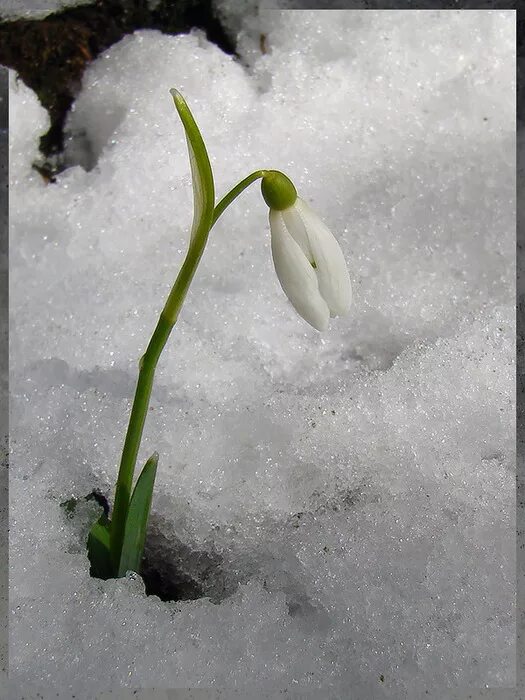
[4,395]
[340,505]
[18,9]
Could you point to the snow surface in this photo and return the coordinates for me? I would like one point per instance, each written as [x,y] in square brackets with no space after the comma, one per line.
[344,502]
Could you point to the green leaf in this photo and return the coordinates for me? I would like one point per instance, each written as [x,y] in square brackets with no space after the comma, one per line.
[202,176]
[98,549]
[137,518]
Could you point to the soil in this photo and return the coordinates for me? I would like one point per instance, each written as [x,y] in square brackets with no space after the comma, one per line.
[51,54]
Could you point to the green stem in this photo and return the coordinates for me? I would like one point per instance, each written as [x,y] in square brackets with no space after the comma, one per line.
[137,419]
[148,365]
[235,192]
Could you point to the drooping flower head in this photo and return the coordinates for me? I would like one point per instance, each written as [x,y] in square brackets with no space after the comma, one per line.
[308,260]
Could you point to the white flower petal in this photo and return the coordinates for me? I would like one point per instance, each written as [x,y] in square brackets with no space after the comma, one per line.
[296,275]
[331,270]
[297,230]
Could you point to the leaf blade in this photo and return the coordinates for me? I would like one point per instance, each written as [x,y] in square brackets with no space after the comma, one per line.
[202,175]
[98,549]
[137,518]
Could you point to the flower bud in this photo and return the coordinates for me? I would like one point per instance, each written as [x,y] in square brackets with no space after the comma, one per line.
[308,260]
[278,190]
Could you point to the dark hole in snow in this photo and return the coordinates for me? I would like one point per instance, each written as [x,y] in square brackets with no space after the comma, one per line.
[99,498]
[167,583]
[173,570]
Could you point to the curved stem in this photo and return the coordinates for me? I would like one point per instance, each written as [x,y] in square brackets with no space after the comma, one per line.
[147,367]
[235,192]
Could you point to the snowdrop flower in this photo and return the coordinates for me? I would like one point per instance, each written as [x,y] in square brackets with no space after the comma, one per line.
[308,260]
[312,271]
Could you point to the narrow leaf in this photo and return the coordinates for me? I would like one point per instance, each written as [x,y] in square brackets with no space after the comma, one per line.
[98,549]
[137,518]
[201,173]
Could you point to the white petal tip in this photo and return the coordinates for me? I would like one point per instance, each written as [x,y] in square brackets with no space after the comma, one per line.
[318,318]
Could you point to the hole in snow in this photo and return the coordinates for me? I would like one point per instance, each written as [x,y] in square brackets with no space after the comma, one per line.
[173,570]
